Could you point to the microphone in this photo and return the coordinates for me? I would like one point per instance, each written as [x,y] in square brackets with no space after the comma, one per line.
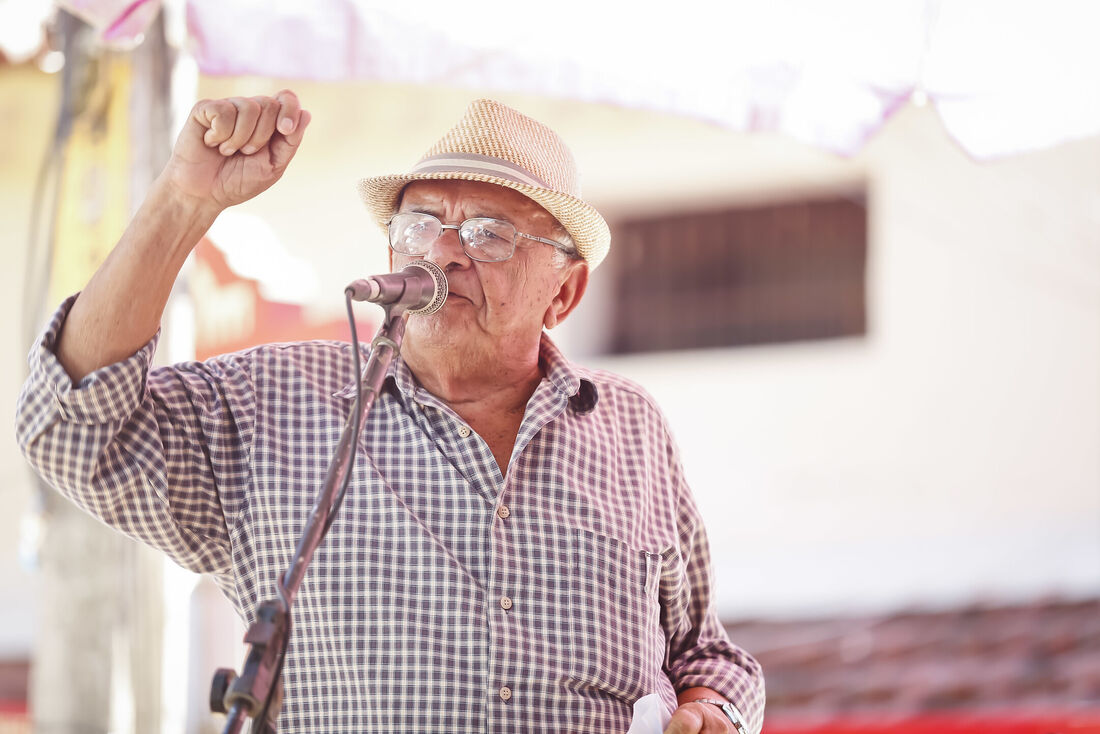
[420,286]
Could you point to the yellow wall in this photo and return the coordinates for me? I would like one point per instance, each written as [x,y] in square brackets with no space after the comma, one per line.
[28,103]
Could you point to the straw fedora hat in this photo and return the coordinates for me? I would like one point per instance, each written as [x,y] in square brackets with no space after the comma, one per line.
[496,144]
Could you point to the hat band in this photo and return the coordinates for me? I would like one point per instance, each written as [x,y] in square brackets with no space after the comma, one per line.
[475,163]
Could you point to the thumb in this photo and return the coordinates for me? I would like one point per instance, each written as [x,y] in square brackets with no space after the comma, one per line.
[283,147]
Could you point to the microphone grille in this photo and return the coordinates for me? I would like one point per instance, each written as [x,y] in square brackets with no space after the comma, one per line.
[439,279]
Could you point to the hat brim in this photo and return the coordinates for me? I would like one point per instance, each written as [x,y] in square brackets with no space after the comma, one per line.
[584,224]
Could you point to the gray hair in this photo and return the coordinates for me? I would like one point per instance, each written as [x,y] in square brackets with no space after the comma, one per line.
[560,257]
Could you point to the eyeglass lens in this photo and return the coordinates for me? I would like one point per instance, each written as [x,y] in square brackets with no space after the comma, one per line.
[483,238]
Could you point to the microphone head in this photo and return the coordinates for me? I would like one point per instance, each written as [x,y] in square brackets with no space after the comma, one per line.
[439,279]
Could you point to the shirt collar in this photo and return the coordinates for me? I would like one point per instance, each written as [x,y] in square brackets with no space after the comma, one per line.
[559,372]
[565,378]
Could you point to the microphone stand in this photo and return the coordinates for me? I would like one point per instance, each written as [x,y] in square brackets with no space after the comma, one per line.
[257,692]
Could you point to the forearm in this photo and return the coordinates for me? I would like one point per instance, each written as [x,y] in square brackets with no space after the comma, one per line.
[228,151]
[121,307]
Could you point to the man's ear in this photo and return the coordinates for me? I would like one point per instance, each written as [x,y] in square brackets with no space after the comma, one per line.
[569,294]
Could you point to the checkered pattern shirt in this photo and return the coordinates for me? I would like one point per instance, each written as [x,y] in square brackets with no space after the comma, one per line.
[447,597]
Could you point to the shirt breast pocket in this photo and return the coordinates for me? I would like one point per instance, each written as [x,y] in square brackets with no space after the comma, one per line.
[617,641]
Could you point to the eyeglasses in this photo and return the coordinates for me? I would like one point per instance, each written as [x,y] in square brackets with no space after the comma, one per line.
[483,239]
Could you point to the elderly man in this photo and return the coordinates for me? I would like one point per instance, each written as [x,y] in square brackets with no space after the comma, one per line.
[518,550]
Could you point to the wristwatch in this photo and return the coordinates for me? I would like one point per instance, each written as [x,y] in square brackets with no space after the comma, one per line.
[730,711]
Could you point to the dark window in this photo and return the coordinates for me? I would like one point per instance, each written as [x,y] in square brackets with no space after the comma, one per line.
[759,275]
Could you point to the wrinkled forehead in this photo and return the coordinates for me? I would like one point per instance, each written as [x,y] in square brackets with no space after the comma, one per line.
[470,199]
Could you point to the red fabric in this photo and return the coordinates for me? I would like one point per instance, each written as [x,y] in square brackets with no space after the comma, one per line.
[1066,723]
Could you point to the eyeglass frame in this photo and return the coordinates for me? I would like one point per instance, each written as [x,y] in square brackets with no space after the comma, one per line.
[458,228]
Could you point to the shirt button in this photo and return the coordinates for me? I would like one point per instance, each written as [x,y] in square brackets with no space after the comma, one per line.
[464,431]
[505,603]
[503,512]
[505,693]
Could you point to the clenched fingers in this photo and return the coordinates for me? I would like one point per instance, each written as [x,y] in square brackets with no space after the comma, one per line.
[265,126]
[247,124]
[218,116]
[248,114]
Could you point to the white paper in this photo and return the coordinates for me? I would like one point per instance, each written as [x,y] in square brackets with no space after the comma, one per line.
[650,715]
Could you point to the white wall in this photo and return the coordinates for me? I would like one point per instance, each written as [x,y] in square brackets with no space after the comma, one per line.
[953,455]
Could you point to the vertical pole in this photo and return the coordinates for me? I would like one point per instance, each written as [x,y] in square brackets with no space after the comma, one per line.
[150,121]
[97,653]
[70,682]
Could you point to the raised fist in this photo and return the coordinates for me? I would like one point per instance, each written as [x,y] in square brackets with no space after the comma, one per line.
[232,149]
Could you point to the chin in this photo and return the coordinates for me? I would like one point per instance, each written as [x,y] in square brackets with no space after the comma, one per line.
[441,327]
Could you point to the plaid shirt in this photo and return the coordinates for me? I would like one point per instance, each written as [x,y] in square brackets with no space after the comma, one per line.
[446,597]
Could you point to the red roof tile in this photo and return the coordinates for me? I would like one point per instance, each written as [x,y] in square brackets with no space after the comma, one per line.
[1039,657]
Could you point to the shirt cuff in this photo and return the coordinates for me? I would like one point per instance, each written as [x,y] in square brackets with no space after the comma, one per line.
[742,684]
[109,394]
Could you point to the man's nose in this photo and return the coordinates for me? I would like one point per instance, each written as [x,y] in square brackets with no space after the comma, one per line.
[446,250]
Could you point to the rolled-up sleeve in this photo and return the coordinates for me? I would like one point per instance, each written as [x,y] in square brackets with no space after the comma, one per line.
[160,454]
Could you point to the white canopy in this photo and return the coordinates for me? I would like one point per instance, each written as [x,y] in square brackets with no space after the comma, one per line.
[1006,76]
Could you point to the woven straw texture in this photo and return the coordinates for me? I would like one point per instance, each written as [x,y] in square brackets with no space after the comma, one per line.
[492,129]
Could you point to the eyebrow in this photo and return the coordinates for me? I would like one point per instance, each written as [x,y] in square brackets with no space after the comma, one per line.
[434,210]
[424,209]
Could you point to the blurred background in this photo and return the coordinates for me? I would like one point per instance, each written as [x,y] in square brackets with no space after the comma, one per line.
[856,259]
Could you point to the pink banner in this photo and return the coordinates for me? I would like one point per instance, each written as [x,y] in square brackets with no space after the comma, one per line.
[119,22]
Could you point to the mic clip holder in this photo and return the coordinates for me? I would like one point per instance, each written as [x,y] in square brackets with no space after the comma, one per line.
[259,679]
